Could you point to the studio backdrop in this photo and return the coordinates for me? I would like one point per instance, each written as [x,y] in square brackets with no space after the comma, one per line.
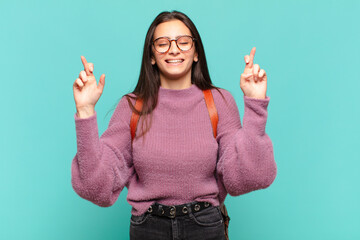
[309,49]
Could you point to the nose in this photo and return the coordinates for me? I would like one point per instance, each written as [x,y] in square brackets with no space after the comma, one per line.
[173,48]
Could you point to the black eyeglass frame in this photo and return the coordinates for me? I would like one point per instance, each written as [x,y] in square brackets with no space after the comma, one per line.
[175,39]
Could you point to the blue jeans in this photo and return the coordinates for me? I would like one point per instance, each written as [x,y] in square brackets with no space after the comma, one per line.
[206,224]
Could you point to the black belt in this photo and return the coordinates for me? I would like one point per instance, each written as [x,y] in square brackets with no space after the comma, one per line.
[176,210]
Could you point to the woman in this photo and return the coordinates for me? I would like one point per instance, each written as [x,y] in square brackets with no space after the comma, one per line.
[176,172]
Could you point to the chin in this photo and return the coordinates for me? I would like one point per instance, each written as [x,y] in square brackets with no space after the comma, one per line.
[175,74]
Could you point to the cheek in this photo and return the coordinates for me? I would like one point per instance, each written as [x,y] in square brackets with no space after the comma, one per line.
[158,57]
[192,58]
[192,55]
[155,59]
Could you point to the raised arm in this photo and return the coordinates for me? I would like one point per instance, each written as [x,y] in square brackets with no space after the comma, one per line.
[246,158]
[102,167]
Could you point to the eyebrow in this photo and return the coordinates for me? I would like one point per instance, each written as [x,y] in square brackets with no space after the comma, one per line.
[175,37]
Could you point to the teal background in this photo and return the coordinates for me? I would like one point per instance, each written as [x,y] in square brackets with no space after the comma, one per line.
[309,49]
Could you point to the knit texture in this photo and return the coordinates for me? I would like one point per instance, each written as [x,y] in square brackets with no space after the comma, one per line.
[178,160]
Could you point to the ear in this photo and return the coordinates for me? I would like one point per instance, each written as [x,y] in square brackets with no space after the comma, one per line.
[196,57]
[153,60]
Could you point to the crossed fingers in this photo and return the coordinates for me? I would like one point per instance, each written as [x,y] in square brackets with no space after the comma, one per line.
[84,74]
[253,70]
[88,67]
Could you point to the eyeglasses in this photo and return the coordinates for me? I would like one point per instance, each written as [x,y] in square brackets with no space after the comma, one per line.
[184,43]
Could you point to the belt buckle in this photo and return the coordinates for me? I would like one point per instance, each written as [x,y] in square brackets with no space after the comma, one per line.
[172,212]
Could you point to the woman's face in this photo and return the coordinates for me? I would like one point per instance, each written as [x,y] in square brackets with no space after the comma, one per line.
[172,30]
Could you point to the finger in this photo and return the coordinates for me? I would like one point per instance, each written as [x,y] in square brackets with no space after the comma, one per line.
[252,55]
[261,73]
[247,59]
[91,67]
[83,76]
[247,76]
[256,70]
[101,82]
[86,68]
[79,82]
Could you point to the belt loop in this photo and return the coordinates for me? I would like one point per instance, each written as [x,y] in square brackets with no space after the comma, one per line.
[161,210]
[189,208]
[172,211]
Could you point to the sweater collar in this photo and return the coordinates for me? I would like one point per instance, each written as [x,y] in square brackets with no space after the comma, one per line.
[186,93]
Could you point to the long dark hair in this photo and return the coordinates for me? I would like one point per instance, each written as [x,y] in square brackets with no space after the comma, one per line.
[148,84]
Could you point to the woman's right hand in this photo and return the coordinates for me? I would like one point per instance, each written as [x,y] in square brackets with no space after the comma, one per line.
[86,91]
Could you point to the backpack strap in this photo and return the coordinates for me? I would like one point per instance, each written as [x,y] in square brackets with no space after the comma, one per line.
[212,110]
[135,118]
[209,100]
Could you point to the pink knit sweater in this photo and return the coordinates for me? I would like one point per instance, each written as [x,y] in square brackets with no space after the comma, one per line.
[178,160]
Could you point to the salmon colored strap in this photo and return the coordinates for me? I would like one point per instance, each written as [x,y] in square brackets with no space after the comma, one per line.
[135,118]
[212,110]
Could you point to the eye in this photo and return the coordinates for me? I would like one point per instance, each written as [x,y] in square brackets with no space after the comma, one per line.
[185,40]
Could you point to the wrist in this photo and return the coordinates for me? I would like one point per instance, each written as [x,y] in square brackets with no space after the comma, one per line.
[256,97]
[85,111]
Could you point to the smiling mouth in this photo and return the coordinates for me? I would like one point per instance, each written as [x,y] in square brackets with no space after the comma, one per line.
[177,61]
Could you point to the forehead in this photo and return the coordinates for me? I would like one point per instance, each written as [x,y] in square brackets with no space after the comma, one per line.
[171,29]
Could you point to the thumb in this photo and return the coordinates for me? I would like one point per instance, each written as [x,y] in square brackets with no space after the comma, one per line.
[101,82]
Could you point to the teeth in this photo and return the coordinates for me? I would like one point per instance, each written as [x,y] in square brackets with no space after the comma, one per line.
[174,61]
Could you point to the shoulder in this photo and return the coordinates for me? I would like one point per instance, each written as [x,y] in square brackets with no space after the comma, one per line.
[123,112]
[223,98]
[228,112]
[123,103]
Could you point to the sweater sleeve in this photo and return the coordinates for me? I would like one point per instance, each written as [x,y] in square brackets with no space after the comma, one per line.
[246,159]
[102,167]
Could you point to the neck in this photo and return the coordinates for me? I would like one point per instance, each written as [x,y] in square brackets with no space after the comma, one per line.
[176,83]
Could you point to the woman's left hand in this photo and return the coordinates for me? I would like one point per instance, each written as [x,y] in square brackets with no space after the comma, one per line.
[253,81]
